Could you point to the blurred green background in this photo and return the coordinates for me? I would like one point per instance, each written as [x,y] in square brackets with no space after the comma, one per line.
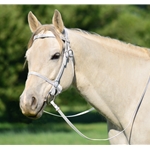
[129,23]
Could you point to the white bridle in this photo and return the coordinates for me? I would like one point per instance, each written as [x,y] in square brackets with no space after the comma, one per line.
[57,88]
[68,54]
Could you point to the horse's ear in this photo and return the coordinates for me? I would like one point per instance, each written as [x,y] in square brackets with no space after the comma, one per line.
[57,21]
[33,22]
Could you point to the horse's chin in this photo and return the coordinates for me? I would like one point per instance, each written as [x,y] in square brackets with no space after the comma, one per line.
[37,116]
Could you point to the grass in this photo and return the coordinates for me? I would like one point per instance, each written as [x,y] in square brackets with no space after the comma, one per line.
[49,130]
[52,134]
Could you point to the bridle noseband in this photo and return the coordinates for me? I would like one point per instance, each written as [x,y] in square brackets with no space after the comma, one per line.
[68,55]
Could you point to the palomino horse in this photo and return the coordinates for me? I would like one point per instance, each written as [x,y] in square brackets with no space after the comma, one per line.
[111,75]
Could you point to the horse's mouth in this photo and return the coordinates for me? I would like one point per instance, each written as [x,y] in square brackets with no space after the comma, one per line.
[38,114]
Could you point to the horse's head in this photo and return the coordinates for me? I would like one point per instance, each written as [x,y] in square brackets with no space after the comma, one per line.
[49,65]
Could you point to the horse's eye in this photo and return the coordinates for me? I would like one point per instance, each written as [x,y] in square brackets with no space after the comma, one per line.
[55,56]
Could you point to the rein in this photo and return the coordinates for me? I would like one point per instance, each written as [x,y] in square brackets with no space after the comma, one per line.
[71,116]
[57,88]
[131,120]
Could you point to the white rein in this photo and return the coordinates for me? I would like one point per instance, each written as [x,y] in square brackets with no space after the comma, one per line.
[71,116]
[56,88]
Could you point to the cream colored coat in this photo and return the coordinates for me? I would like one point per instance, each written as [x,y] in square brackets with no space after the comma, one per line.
[111,75]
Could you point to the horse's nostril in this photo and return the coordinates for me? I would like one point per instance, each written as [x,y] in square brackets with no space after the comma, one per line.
[33,103]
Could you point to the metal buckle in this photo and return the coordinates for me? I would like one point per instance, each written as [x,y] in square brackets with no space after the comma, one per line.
[50,98]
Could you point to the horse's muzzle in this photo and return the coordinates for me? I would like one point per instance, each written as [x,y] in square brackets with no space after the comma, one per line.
[31,107]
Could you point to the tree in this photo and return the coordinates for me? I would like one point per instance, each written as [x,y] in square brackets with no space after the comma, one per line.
[129,23]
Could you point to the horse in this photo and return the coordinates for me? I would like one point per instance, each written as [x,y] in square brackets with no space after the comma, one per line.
[112,76]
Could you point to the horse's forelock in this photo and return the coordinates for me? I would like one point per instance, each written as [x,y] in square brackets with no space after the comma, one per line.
[45,28]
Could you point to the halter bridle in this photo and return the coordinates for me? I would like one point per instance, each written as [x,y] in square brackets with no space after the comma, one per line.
[67,56]
[57,88]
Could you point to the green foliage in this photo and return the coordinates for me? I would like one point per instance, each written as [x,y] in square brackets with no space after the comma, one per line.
[129,23]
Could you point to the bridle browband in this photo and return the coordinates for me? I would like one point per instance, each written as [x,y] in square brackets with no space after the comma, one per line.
[57,88]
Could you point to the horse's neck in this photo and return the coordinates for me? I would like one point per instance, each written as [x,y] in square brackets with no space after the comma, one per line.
[108,79]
